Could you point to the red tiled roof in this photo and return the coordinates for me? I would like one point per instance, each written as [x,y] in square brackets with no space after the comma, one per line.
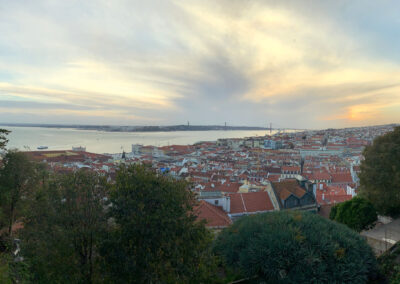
[228,187]
[320,176]
[291,168]
[342,178]
[178,148]
[287,187]
[250,202]
[231,187]
[65,156]
[284,193]
[272,178]
[214,215]
[333,199]
[332,195]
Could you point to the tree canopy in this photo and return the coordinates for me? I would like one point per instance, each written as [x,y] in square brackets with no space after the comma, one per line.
[63,228]
[295,247]
[18,178]
[78,228]
[358,213]
[380,173]
[18,182]
[156,238]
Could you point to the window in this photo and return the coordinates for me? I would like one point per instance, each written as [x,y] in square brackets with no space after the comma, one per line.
[216,202]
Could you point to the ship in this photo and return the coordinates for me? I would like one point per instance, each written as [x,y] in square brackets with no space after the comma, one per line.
[42,147]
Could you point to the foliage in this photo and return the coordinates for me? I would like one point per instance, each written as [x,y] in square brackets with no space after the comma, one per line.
[156,238]
[333,212]
[295,247]
[389,264]
[358,213]
[380,173]
[12,268]
[3,138]
[64,227]
[5,275]
[17,181]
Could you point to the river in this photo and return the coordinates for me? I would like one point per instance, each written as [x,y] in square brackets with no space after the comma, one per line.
[29,138]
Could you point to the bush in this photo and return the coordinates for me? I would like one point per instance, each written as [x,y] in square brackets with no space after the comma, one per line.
[358,214]
[389,264]
[295,247]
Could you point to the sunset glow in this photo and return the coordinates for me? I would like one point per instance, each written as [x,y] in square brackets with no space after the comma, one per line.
[318,65]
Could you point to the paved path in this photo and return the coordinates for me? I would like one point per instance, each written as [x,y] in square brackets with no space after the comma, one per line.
[382,237]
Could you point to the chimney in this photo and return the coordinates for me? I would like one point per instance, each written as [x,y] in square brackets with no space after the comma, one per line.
[228,204]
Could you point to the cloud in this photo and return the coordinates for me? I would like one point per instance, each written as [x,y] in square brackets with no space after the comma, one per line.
[294,63]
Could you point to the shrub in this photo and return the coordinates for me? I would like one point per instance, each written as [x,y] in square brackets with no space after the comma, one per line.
[358,214]
[295,247]
[389,264]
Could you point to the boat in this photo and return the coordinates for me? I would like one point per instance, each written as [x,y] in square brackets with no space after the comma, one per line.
[42,147]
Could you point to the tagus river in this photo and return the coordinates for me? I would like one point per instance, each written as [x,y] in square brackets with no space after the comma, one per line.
[29,138]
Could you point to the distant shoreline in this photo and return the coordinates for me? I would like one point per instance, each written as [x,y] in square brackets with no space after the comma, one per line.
[112,128]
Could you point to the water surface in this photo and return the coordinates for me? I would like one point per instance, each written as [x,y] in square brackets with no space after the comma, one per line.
[25,138]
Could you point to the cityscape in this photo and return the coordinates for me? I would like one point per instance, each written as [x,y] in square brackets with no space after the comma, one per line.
[307,170]
[290,182]
[199,142]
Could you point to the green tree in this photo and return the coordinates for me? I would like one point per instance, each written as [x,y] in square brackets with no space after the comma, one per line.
[380,173]
[295,247]
[3,138]
[18,180]
[63,230]
[156,238]
[358,213]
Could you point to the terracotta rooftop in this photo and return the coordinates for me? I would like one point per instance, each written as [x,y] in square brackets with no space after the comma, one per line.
[214,215]
[324,199]
[320,176]
[286,187]
[250,202]
[342,178]
[273,178]
[291,168]
[65,156]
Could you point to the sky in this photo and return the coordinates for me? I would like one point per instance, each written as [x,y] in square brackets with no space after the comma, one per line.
[295,64]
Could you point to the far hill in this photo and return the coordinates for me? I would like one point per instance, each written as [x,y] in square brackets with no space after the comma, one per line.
[116,128]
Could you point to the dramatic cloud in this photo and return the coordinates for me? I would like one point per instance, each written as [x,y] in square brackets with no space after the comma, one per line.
[306,64]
